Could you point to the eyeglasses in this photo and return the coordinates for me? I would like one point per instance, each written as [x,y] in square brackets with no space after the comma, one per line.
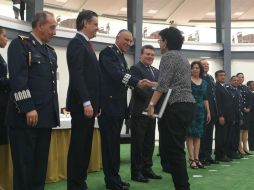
[159,41]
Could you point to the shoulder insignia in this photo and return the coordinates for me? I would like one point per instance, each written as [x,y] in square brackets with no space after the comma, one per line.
[23,37]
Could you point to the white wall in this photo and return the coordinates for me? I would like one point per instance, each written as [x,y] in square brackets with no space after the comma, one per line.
[245,66]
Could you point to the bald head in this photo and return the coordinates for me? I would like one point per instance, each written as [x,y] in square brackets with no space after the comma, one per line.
[124,40]
[205,65]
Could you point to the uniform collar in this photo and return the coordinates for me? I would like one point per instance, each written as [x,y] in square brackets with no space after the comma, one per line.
[118,49]
[37,39]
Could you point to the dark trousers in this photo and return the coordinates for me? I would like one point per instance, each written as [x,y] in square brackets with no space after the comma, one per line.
[251,131]
[79,151]
[3,128]
[110,129]
[235,137]
[29,149]
[206,143]
[176,118]
[142,143]
[222,139]
[164,162]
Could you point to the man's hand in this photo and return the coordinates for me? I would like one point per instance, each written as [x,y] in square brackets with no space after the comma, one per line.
[32,118]
[246,110]
[145,83]
[98,114]
[88,111]
[221,120]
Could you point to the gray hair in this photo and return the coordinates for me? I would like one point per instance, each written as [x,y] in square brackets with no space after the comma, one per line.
[40,17]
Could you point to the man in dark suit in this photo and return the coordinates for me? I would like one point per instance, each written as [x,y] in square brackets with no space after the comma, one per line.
[205,154]
[115,81]
[4,89]
[82,98]
[33,106]
[142,127]
[225,118]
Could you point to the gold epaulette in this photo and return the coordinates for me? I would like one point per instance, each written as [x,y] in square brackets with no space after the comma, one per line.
[23,37]
[110,46]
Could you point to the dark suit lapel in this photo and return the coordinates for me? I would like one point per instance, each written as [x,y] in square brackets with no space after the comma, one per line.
[85,43]
[146,73]
[3,66]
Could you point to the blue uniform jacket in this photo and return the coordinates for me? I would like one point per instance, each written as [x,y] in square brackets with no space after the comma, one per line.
[33,83]
[116,79]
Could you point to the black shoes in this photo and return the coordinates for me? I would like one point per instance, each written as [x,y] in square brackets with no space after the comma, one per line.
[125,184]
[205,162]
[140,178]
[223,159]
[117,186]
[212,161]
[150,174]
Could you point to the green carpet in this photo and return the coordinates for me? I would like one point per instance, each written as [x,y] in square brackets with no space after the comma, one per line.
[236,175]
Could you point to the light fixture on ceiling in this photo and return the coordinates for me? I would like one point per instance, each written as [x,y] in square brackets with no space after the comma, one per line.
[238,13]
[210,14]
[123,9]
[152,11]
[62,1]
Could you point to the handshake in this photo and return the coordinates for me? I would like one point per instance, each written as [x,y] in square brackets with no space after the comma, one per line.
[145,83]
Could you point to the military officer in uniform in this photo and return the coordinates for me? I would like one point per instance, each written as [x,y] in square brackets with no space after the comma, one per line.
[234,132]
[33,106]
[244,128]
[115,79]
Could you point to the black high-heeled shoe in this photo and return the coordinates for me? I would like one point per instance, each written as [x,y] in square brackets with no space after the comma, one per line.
[247,152]
[193,164]
[199,164]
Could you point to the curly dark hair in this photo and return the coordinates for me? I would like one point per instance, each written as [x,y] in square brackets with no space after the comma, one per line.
[201,74]
[173,37]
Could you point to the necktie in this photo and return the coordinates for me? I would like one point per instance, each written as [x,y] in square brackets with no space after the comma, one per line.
[90,44]
[150,72]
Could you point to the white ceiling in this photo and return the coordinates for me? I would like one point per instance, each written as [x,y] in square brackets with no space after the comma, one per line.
[184,12]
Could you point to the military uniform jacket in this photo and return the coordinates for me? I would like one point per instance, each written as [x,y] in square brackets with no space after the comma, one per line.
[237,102]
[116,79]
[32,72]
[4,83]
[246,94]
[141,97]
